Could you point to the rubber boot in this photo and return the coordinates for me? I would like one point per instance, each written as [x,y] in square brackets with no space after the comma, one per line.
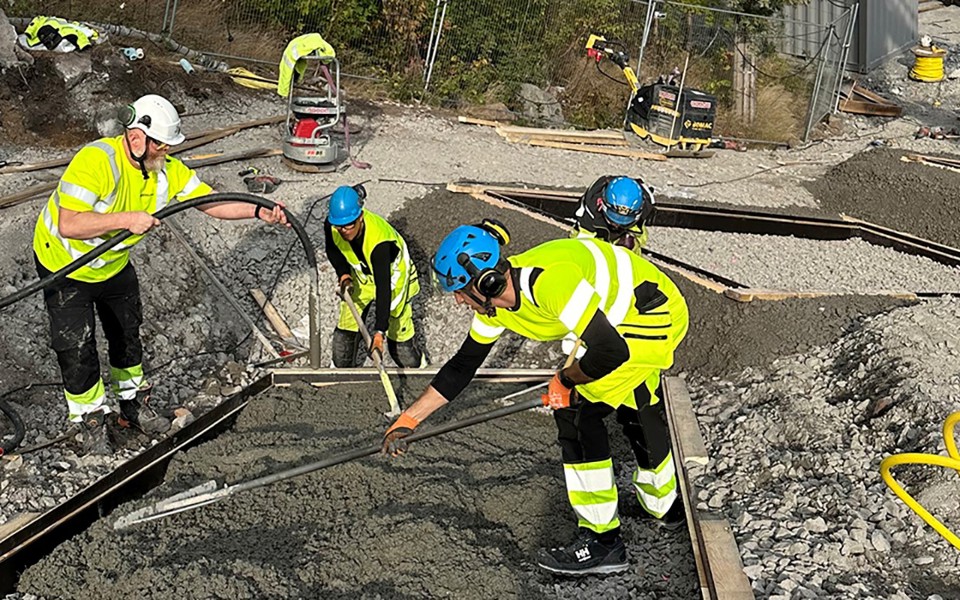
[94,438]
[138,413]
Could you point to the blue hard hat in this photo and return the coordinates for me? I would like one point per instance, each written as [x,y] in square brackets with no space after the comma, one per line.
[623,202]
[345,206]
[465,244]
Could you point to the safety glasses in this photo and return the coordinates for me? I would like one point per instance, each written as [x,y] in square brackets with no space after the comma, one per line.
[349,225]
[159,145]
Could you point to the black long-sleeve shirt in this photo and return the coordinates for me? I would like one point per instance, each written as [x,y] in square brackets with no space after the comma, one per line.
[381,258]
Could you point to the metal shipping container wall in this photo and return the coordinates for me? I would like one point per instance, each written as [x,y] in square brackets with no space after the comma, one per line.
[884,28]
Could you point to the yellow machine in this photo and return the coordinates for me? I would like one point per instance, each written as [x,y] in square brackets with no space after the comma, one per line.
[668,114]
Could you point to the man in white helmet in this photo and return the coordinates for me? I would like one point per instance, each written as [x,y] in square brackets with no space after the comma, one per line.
[111,185]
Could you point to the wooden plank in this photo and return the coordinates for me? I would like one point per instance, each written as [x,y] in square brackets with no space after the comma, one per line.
[871,96]
[751,294]
[19,520]
[728,580]
[685,422]
[468,187]
[929,7]
[860,107]
[28,193]
[274,317]
[608,134]
[193,141]
[232,156]
[598,150]
[671,386]
[483,122]
[526,139]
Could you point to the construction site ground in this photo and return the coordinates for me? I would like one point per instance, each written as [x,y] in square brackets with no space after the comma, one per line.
[798,400]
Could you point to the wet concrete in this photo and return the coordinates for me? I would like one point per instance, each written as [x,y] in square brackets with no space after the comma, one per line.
[460,516]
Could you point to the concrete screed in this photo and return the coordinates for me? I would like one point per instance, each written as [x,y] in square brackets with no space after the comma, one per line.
[831,349]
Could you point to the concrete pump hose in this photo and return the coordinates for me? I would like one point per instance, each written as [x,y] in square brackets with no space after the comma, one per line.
[173,209]
[18,428]
[915,458]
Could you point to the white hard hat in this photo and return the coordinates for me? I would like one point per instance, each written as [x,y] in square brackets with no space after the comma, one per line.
[155,116]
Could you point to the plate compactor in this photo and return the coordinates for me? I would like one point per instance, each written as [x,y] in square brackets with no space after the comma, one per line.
[670,115]
[307,144]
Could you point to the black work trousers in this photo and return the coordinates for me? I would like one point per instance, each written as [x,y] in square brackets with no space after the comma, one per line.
[71,305]
[583,434]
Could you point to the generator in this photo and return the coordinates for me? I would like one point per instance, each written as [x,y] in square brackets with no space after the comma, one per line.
[664,112]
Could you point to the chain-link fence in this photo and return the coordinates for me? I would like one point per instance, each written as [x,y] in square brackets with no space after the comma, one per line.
[145,15]
[740,58]
[471,51]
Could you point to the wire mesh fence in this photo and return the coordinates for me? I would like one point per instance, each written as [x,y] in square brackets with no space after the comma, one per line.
[145,15]
[740,58]
[454,51]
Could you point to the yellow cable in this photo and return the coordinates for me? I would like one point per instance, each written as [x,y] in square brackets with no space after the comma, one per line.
[915,458]
[928,64]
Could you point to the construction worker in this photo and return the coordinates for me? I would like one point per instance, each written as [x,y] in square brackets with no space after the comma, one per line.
[372,265]
[616,209]
[111,185]
[629,316]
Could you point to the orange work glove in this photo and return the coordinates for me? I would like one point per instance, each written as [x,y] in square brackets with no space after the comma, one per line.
[393,442]
[558,395]
[376,343]
[346,283]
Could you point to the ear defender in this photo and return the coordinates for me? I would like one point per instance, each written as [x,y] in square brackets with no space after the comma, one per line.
[496,229]
[489,282]
[127,115]
[361,191]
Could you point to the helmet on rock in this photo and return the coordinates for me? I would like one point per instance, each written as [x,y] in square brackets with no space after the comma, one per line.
[346,205]
[472,253]
[155,116]
[626,202]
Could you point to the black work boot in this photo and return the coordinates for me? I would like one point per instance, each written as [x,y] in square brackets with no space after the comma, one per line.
[94,439]
[586,555]
[674,519]
[137,413]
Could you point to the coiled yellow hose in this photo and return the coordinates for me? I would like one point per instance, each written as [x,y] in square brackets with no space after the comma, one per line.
[914,458]
[928,64]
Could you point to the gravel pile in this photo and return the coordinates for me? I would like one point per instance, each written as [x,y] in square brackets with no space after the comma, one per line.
[796,450]
[851,266]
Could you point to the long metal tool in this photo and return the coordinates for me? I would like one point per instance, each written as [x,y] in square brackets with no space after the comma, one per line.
[208,493]
[377,359]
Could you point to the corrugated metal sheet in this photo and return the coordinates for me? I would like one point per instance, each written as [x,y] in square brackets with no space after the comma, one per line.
[807,23]
[883,28]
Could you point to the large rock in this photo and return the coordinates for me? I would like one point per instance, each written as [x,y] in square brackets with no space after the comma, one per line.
[73,67]
[10,54]
[540,105]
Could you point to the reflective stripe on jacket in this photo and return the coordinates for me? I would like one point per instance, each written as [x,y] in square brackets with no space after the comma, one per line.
[290,61]
[80,35]
[562,284]
[101,179]
[404,283]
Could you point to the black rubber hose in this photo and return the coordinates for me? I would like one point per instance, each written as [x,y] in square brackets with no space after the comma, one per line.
[169,210]
[18,428]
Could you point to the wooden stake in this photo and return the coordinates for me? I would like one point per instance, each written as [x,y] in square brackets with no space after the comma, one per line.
[275,319]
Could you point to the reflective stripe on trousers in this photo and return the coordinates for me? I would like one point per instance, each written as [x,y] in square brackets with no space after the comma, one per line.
[592,491]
